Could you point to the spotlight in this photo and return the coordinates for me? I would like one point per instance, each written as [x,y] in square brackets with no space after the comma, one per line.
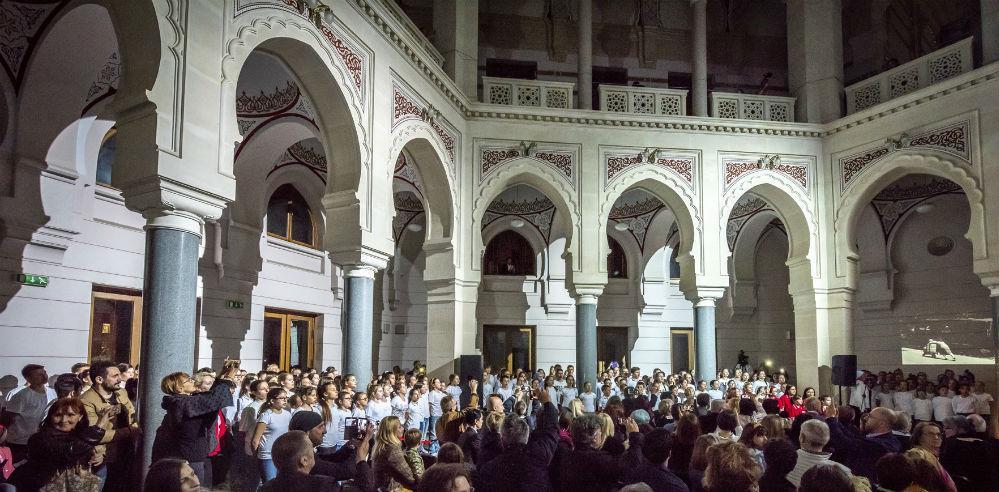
[621,226]
[414,227]
[517,223]
[925,208]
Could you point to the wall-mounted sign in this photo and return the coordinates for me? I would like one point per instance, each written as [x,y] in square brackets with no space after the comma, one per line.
[34,280]
[234,304]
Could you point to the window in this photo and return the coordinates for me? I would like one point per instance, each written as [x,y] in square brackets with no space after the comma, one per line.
[612,346]
[115,325]
[289,339]
[510,347]
[617,262]
[288,217]
[681,347]
[105,157]
[509,253]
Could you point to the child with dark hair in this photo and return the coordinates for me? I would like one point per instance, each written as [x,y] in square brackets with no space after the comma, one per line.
[411,450]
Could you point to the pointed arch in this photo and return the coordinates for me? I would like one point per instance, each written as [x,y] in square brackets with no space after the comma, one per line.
[885,172]
[428,156]
[676,196]
[525,171]
[340,114]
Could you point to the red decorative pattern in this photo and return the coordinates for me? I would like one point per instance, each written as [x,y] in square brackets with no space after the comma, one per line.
[616,164]
[734,169]
[354,63]
[404,107]
[854,164]
[494,157]
[953,138]
[445,137]
[561,161]
[795,172]
[683,167]
[264,105]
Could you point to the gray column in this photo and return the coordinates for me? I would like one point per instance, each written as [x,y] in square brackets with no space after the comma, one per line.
[815,59]
[704,338]
[358,331]
[585,58]
[169,330]
[699,76]
[456,36]
[586,340]
[990,31]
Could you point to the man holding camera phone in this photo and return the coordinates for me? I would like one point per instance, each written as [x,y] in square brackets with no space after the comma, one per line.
[350,461]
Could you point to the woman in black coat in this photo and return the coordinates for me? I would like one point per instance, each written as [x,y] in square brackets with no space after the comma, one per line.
[65,442]
[188,428]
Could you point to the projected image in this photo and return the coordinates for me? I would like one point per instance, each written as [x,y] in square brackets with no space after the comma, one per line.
[956,342]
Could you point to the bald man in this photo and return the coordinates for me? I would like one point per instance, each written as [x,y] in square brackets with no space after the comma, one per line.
[860,452]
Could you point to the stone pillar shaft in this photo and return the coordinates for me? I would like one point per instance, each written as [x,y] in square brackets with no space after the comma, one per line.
[168,319]
[704,338]
[358,331]
[456,35]
[990,31]
[699,78]
[586,340]
[585,58]
[815,59]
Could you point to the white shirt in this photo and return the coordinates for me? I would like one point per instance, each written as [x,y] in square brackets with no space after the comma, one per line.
[715,394]
[455,392]
[861,396]
[885,399]
[425,405]
[414,415]
[248,417]
[434,399]
[603,401]
[29,405]
[276,426]
[964,404]
[589,402]
[377,410]
[757,385]
[982,403]
[633,382]
[568,394]
[399,407]
[903,401]
[943,407]
[922,409]
[505,393]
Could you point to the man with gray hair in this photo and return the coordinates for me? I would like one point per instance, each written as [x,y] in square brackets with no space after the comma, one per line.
[523,464]
[813,438]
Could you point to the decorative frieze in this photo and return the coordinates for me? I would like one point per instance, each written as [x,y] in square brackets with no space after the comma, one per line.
[21,26]
[254,111]
[737,167]
[953,139]
[892,203]
[638,216]
[539,212]
[408,107]
[681,163]
[106,84]
[746,208]
[404,171]
[308,153]
[560,157]
[407,209]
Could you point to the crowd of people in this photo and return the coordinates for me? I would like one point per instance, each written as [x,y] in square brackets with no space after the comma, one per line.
[312,430]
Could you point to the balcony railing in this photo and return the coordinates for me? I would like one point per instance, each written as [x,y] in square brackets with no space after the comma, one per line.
[520,92]
[643,100]
[752,106]
[941,64]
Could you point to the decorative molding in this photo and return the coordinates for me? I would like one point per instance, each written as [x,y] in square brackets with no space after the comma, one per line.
[299,154]
[639,217]
[407,209]
[253,112]
[738,166]
[106,84]
[745,209]
[952,139]
[407,107]
[895,201]
[21,24]
[563,158]
[539,212]
[407,173]
[682,163]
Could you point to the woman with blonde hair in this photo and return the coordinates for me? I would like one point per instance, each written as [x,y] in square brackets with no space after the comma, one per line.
[929,474]
[389,467]
[730,468]
[576,407]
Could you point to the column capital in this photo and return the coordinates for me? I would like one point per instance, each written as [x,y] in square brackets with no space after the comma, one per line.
[701,294]
[587,294]
[705,302]
[361,262]
[168,204]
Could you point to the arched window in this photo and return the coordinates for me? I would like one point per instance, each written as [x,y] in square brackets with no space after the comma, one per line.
[288,216]
[509,253]
[617,262]
[105,157]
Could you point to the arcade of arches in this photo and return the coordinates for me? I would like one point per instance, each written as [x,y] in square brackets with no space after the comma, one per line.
[186,200]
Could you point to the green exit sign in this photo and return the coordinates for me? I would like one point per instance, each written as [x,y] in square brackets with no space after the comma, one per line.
[234,304]
[34,280]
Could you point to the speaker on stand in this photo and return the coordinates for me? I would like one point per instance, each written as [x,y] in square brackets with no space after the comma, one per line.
[469,366]
[844,372]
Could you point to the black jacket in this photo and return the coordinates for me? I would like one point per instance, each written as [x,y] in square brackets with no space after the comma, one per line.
[468,441]
[489,446]
[187,430]
[587,469]
[657,477]
[318,483]
[523,467]
[51,451]
[860,454]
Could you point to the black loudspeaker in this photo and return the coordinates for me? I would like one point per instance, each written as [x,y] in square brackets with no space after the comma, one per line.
[469,366]
[844,370]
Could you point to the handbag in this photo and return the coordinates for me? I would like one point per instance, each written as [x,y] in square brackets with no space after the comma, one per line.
[77,479]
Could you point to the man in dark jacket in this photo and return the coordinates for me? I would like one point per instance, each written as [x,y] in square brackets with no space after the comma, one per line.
[589,467]
[294,458]
[523,464]
[469,440]
[656,448]
[861,453]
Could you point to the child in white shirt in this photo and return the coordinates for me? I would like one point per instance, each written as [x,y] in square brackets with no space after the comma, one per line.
[589,398]
[943,405]
[922,407]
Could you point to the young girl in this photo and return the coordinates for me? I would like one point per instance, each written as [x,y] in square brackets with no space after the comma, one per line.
[327,410]
[272,423]
[922,408]
[414,410]
[754,437]
[569,392]
[400,401]
[379,407]
[310,399]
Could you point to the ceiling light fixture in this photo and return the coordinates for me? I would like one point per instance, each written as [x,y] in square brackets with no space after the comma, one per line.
[925,208]
[517,223]
[414,227]
[621,226]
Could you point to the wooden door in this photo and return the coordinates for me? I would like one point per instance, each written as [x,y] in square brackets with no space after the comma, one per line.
[115,325]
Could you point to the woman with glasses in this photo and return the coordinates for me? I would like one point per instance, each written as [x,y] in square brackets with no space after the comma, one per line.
[272,423]
[188,428]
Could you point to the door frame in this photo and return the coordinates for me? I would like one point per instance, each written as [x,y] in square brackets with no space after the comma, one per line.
[532,357]
[691,343]
[287,317]
[627,340]
[117,294]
